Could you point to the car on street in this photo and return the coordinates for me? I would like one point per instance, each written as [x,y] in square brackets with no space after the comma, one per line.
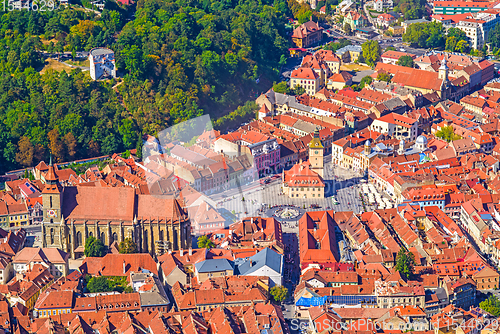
[334,201]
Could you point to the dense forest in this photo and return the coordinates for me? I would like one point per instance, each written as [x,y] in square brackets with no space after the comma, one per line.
[178,59]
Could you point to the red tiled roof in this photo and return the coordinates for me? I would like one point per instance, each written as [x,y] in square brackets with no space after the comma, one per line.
[118,264]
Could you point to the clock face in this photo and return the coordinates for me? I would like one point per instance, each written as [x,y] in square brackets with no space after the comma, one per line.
[315,152]
[52,213]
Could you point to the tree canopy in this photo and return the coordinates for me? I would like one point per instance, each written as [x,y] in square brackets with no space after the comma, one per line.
[406,61]
[405,263]
[205,242]
[365,81]
[334,46]
[279,293]
[456,41]
[383,76]
[99,284]
[281,87]
[347,29]
[425,35]
[494,36]
[371,52]
[491,305]
[127,246]
[93,247]
[411,9]
[179,60]
[447,133]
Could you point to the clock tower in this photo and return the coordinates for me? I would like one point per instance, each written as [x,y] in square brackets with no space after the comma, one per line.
[52,205]
[316,154]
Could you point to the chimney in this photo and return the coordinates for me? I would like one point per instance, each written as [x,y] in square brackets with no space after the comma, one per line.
[182,252]
[124,267]
[251,263]
[190,251]
[169,251]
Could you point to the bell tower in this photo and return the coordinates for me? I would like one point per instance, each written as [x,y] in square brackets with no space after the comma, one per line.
[52,205]
[316,151]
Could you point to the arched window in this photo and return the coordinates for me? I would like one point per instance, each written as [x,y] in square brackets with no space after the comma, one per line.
[161,235]
[103,238]
[51,235]
[115,237]
[78,238]
[146,241]
[69,238]
[51,202]
[90,234]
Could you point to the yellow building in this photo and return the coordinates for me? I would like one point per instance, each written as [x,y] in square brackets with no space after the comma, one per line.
[307,78]
[397,30]
[18,214]
[54,303]
[305,179]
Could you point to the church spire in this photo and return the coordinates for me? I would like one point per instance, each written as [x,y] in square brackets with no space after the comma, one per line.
[50,176]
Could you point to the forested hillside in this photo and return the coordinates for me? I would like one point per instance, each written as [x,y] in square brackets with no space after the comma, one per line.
[179,59]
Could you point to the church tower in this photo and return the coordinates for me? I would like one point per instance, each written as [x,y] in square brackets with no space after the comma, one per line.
[52,205]
[443,71]
[368,147]
[316,154]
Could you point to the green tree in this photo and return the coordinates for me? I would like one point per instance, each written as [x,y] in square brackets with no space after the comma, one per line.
[110,144]
[298,90]
[26,152]
[405,263]
[347,29]
[425,35]
[129,136]
[451,44]
[494,36]
[93,247]
[205,242]
[383,76]
[371,52]
[365,81]
[127,246]
[279,293]
[55,145]
[406,61]
[181,61]
[411,9]
[281,87]
[447,133]
[99,284]
[305,17]
[462,46]
[491,305]
[334,46]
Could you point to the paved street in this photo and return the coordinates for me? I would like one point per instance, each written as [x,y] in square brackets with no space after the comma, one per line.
[255,199]
[292,271]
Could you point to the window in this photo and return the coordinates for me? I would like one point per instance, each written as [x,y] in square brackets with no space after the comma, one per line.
[78,238]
